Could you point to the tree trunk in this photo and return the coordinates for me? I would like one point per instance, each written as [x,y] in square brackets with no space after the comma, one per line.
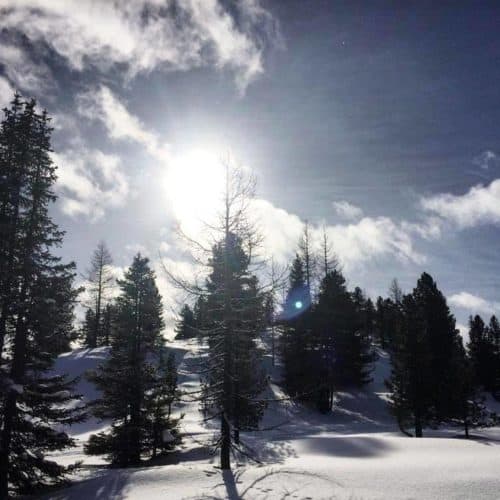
[418,427]
[225,449]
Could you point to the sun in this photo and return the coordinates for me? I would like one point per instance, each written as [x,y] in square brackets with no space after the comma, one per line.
[194,184]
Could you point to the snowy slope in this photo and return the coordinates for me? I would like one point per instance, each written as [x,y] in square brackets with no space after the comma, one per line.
[354,453]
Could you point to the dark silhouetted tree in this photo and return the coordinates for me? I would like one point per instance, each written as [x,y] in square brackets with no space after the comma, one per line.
[36,307]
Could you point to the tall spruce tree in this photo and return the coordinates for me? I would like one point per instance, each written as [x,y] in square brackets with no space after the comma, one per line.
[130,380]
[36,307]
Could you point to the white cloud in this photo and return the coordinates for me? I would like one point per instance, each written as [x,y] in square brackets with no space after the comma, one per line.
[6,92]
[90,182]
[23,73]
[474,303]
[144,35]
[480,205]
[347,210]
[430,228]
[355,244]
[103,105]
[372,238]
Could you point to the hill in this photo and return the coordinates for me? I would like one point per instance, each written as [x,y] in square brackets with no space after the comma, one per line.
[356,452]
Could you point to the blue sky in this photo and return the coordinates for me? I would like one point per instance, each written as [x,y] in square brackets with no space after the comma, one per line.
[377,119]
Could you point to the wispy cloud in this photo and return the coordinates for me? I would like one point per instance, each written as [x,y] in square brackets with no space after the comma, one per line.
[143,35]
[101,104]
[90,182]
[480,205]
[474,303]
[486,160]
[347,210]
[22,72]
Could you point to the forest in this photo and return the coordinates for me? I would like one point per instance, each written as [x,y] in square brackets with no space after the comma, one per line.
[302,326]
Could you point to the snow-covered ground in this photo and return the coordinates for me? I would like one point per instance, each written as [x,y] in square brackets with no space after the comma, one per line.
[355,453]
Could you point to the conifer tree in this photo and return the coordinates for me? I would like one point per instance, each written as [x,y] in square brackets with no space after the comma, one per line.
[101,281]
[36,307]
[483,351]
[343,324]
[236,321]
[186,326]
[494,331]
[468,403]
[130,380]
[427,359]
[230,306]
[443,340]
[308,259]
[297,339]
[411,374]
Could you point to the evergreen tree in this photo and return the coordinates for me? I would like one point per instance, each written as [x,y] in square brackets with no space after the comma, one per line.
[162,427]
[343,332]
[297,338]
[308,259]
[101,281]
[468,404]
[36,307]
[236,321]
[427,360]
[186,326]
[130,380]
[229,314]
[88,328]
[483,350]
[494,330]
[411,375]
[443,341]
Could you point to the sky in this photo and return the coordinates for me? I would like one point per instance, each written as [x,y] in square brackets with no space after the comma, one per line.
[376,120]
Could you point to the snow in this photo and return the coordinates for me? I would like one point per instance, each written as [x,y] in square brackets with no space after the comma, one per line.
[355,453]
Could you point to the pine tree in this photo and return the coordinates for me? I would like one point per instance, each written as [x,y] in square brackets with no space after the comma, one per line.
[483,350]
[427,360]
[186,326]
[162,427]
[37,299]
[411,374]
[297,338]
[88,327]
[494,330]
[229,304]
[343,323]
[101,282]
[130,378]
[234,381]
[308,259]
[468,404]
[443,340]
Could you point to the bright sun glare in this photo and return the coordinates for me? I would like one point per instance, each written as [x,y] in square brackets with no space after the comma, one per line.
[194,183]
